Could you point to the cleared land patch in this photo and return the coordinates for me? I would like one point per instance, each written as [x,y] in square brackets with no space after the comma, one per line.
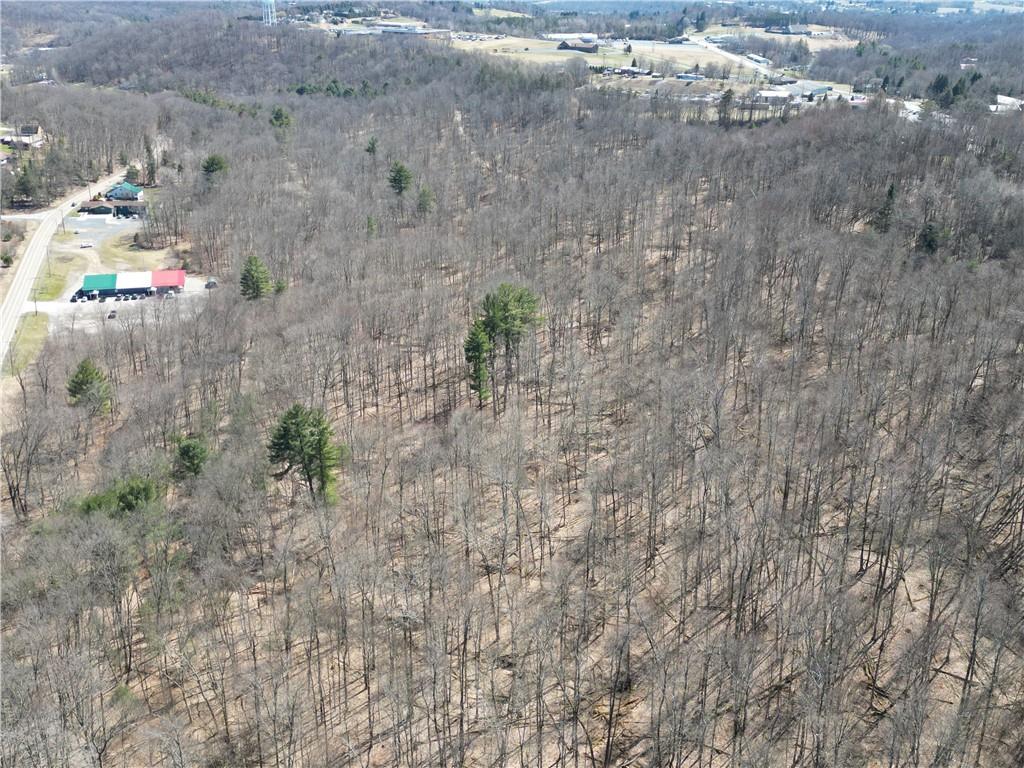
[54,274]
[500,13]
[121,253]
[27,343]
[546,52]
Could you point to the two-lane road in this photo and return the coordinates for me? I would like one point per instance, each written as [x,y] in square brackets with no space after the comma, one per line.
[35,253]
[743,61]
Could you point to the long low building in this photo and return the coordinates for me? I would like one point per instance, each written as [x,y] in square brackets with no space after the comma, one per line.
[116,207]
[127,283]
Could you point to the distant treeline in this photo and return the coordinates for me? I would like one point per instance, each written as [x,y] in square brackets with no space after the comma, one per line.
[530,424]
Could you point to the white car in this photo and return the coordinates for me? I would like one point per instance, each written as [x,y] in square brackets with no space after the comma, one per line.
[85,245]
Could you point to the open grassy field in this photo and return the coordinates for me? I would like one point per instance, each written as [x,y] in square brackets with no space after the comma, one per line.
[676,58]
[669,57]
[500,13]
[405,20]
[28,341]
[54,274]
[120,253]
[825,43]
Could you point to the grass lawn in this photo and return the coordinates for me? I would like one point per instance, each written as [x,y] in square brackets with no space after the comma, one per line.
[120,253]
[668,59]
[537,51]
[5,150]
[500,13]
[401,20]
[27,342]
[53,276]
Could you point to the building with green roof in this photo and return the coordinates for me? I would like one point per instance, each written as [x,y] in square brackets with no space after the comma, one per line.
[125,191]
[105,285]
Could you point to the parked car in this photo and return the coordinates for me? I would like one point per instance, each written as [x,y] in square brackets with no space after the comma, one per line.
[135,297]
[112,314]
[74,299]
[102,299]
[211,283]
[85,245]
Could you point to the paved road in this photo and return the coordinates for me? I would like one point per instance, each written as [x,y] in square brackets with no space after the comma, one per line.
[743,61]
[30,262]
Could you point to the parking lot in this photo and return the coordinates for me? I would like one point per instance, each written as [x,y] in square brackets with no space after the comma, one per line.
[90,315]
[97,244]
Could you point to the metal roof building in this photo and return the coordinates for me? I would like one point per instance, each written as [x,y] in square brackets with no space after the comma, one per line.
[102,283]
[134,281]
[125,191]
[169,278]
[158,281]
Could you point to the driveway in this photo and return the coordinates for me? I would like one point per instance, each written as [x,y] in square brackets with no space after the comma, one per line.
[35,253]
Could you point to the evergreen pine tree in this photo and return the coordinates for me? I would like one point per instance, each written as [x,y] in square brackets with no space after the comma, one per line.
[399,178]
[478,349]
[88,387]
[302,440]
[255,280]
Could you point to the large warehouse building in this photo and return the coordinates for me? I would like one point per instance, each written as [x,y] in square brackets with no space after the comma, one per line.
[127,283]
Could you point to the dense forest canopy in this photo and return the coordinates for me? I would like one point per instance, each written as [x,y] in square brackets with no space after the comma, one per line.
[532,424]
